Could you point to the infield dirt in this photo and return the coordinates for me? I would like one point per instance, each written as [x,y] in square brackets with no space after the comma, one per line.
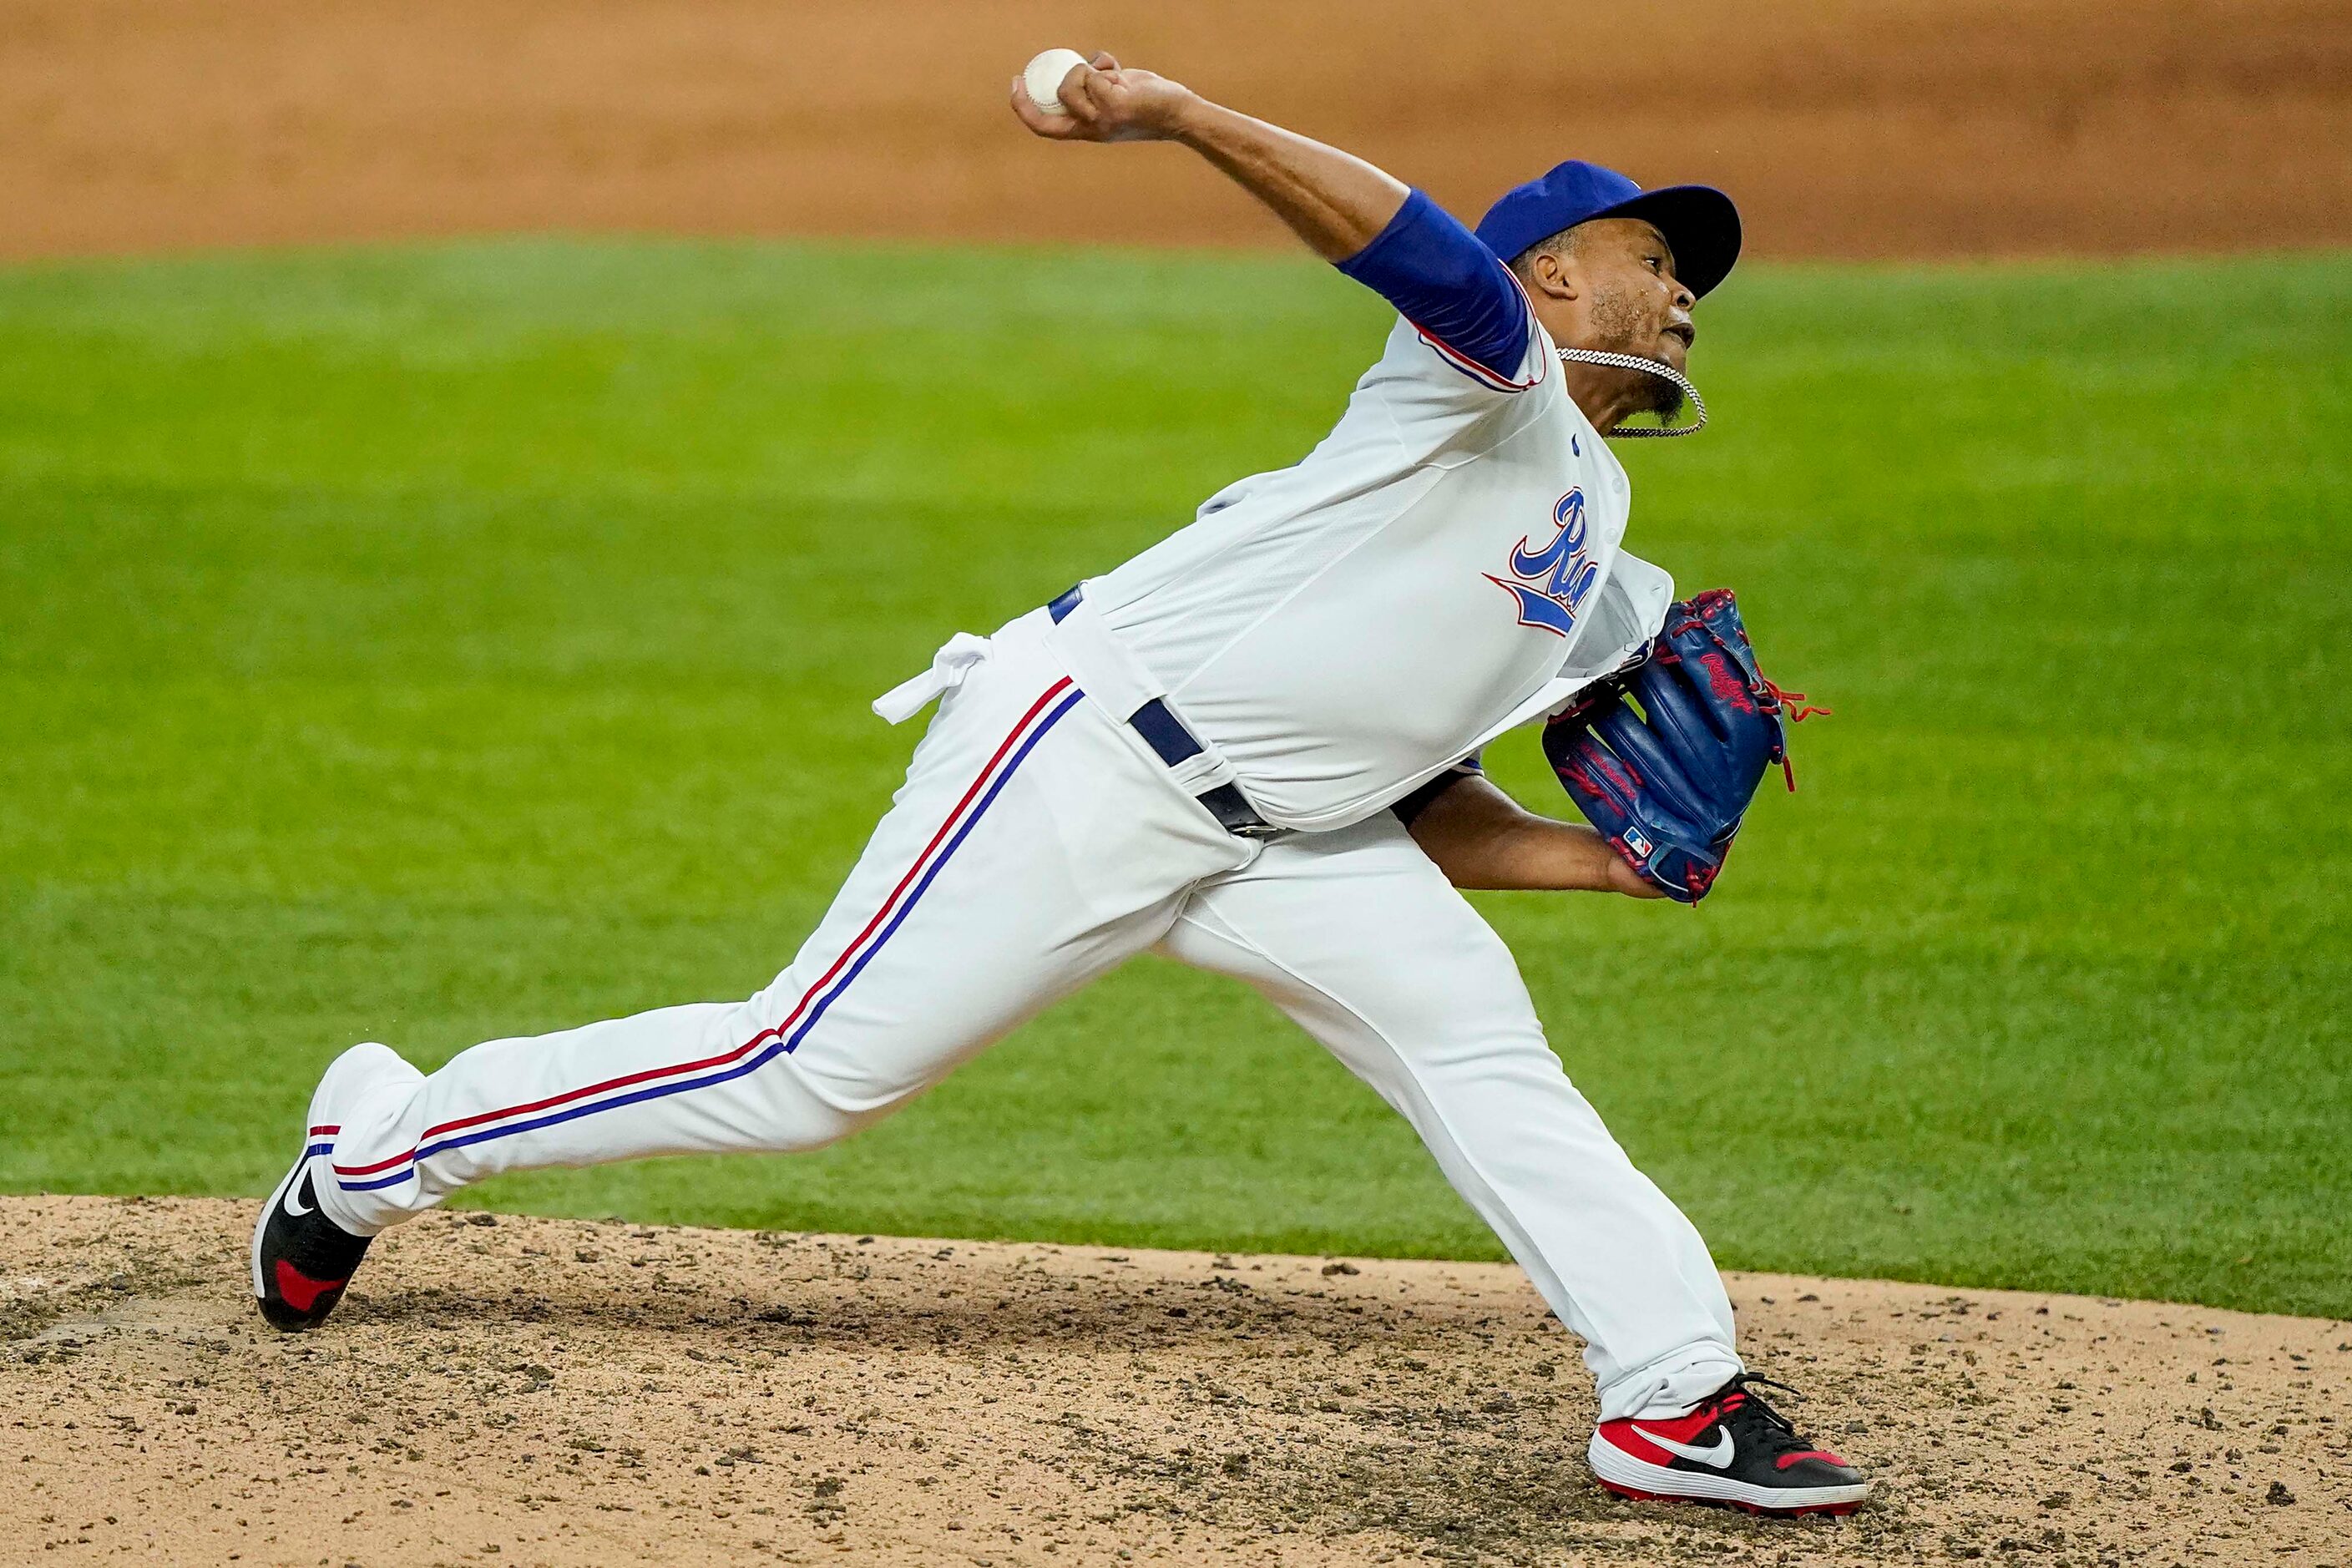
[1845,127]
[533,1390]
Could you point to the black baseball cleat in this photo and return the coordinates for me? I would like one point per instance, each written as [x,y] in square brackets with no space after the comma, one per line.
[302,1259]
[1734,1450]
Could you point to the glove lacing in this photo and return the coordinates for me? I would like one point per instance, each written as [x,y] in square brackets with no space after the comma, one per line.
[1780,700]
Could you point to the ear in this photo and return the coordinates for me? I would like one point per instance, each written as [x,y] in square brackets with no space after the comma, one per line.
[1551,275]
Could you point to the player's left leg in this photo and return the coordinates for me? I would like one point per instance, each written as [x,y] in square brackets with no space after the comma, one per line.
[1359,937]
[1034,845]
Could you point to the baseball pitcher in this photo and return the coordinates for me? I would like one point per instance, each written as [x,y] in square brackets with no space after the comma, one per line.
[1254,748]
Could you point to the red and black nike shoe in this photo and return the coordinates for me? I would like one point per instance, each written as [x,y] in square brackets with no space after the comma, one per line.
[1733,1449]
[302,1259]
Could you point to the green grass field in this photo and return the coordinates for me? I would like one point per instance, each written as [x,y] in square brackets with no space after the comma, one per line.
[430,644]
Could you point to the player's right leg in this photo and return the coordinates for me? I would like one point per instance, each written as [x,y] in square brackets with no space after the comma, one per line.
[1357,936]
[1034,845]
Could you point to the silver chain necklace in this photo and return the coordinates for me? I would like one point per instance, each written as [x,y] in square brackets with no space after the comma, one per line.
[1631,362]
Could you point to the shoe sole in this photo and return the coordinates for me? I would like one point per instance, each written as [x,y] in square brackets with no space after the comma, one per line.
[1628,1476]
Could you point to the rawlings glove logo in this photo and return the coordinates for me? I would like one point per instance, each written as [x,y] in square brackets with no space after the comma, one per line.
[1550,583]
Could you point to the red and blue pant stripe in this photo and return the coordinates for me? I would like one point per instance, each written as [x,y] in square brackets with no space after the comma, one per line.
[763,1047]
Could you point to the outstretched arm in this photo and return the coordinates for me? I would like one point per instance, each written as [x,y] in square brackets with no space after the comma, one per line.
[1333,200]
[1393,240]
[1481,837]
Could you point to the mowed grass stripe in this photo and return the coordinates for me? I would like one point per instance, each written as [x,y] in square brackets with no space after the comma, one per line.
[441,643]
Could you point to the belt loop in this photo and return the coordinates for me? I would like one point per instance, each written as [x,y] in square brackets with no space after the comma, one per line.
[1109,673]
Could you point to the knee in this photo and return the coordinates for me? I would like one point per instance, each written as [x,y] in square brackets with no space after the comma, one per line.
[1487,1024]
[795,1122]
[802,1107]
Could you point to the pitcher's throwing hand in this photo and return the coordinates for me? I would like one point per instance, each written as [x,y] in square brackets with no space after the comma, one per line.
[1106,101]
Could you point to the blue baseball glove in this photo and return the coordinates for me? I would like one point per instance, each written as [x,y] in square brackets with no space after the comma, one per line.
[1666,776]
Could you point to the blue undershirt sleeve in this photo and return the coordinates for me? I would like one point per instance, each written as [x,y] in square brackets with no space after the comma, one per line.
[1443,279]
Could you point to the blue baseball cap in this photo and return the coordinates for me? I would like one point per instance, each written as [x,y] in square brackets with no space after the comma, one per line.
[1698,221]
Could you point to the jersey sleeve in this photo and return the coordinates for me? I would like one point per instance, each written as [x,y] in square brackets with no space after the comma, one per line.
[1457,296]
[1414,803]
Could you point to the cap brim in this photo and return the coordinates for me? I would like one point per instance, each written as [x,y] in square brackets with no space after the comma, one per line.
[1700,226]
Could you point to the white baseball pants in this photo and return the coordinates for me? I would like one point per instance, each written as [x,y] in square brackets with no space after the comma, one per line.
[1037,844]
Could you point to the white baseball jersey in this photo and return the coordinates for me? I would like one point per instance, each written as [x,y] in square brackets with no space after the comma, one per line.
[1445,565]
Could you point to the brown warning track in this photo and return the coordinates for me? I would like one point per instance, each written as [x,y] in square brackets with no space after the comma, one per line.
[1846,127]
[529,1391]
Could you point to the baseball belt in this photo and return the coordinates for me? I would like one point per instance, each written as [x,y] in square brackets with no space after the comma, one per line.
[1177,746]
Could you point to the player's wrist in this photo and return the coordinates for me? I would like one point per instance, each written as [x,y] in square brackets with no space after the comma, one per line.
[1194,120]
[1618,877]
[1599,869]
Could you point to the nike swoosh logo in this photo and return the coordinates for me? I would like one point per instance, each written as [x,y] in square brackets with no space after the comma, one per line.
[1718,1454]
[294,1204]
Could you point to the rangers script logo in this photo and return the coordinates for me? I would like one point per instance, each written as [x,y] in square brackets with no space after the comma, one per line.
[1551,582]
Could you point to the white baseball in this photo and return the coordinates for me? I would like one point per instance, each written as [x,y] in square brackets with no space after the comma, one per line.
[1043,77]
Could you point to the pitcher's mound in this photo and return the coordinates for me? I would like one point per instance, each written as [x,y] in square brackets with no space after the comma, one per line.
[529,1391]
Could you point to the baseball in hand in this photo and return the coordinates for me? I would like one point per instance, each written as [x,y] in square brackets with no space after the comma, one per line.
[1043,79]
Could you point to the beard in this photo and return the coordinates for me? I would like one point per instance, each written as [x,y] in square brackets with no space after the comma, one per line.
[1618,323]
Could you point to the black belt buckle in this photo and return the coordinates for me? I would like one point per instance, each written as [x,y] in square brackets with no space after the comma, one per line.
[1235,813]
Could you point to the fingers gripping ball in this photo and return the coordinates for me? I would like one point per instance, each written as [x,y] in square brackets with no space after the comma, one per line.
[1045,75]
[1663,761]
